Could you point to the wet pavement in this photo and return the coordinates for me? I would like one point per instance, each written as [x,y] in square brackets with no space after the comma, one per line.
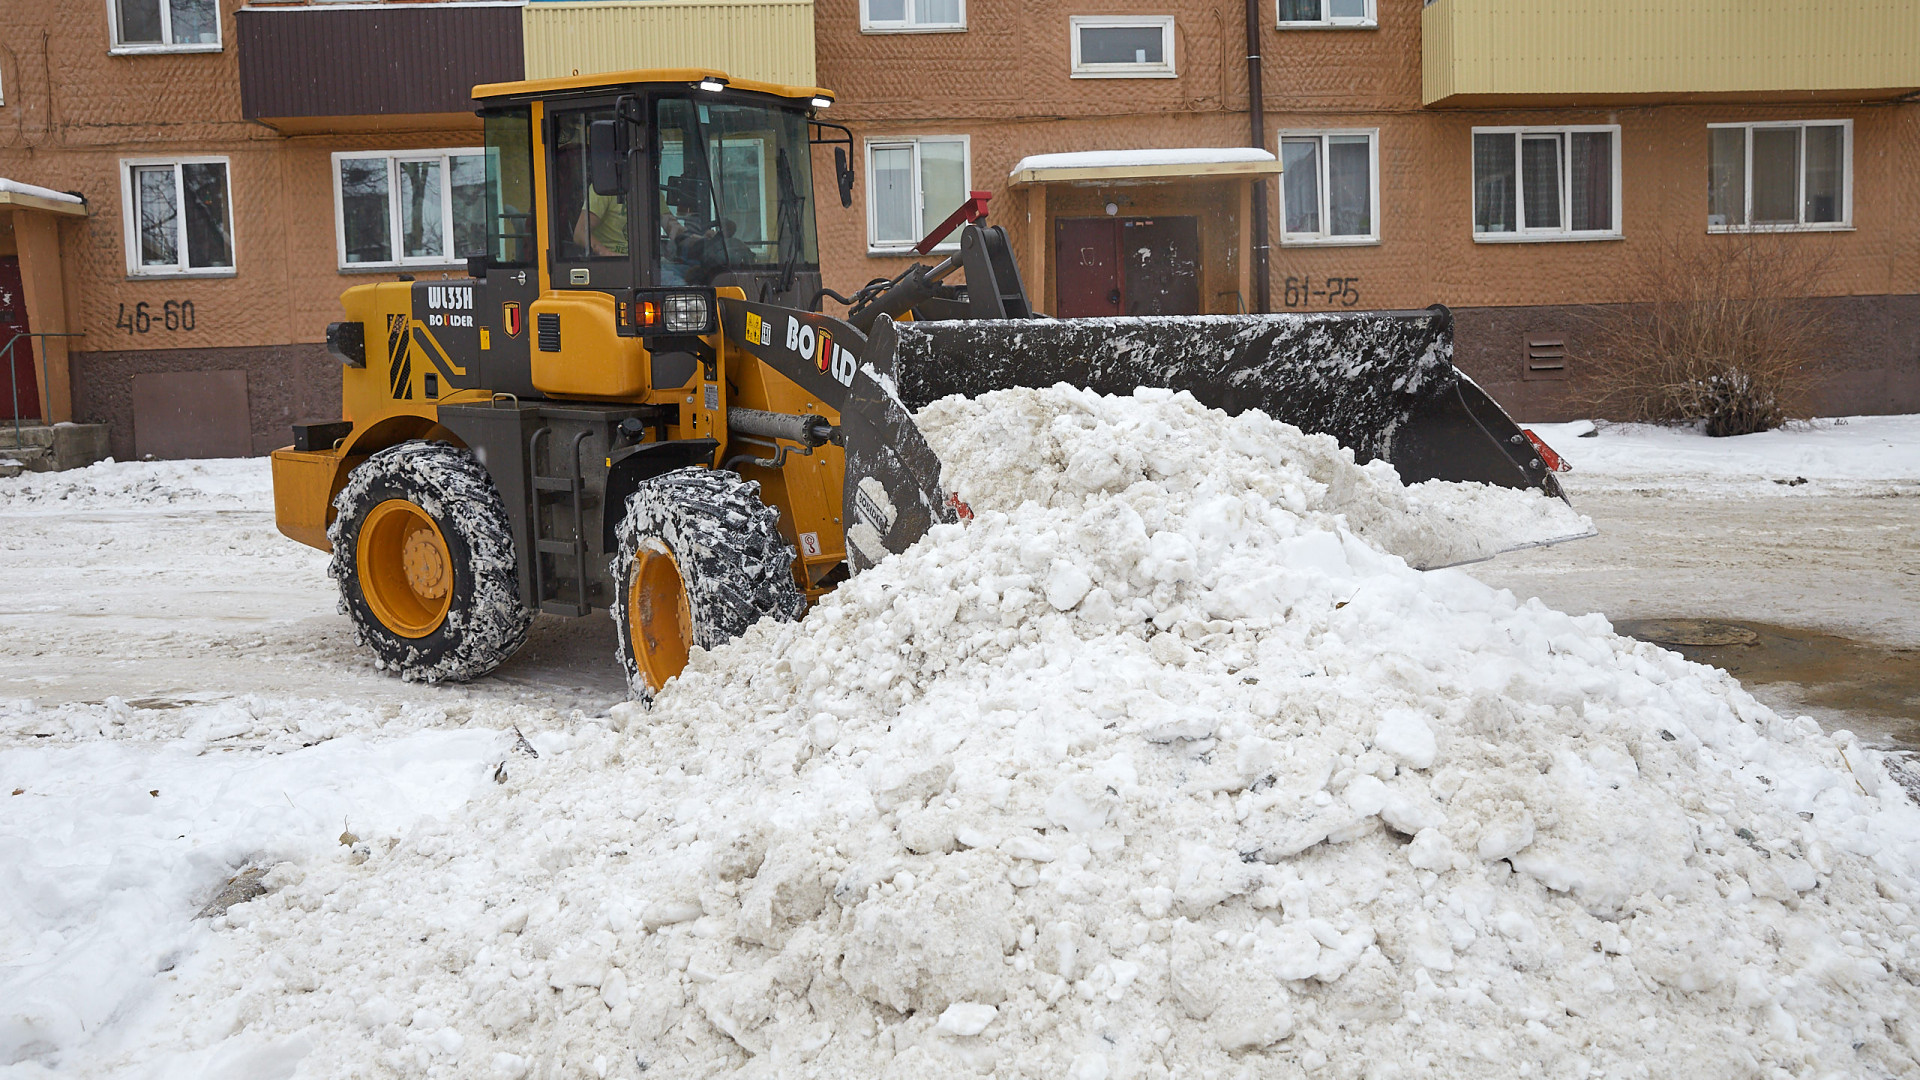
[1868,686]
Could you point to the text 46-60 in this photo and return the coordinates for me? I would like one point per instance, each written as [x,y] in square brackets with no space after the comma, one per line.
[173,315]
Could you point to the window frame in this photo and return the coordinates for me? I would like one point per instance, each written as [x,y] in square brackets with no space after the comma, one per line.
[1563,235]
[130,218]
[1323,238]
[869,25]
[393,159]
[873,142]
[1845,224]
[116,47]
[1370,21]
[1166,69]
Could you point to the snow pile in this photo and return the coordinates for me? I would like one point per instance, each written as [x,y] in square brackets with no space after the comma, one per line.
[1161,766]
[1057,447]
[216,484]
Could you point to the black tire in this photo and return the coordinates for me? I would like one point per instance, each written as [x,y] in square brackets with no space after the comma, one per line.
[725,543]
[484,621]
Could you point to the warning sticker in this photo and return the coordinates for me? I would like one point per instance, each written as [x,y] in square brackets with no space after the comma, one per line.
[810,543]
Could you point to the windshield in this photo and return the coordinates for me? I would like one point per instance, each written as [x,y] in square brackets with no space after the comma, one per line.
[735,190]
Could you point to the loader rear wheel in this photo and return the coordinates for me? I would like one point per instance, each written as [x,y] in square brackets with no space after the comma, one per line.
[423,553]
[700,560]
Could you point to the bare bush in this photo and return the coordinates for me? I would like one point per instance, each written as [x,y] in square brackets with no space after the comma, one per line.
[1728,338]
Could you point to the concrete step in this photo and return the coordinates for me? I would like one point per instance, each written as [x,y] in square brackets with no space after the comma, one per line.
[50,447]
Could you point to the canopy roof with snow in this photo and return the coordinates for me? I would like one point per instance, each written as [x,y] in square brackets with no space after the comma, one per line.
[32,197]
[1144,164]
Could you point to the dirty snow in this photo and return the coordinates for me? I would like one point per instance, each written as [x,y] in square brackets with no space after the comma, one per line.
[1169,763]
[1850,455]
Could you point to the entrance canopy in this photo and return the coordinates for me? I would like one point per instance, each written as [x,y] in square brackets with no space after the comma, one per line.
[16,195]
[1141,232]
[33,377]
[1144,166]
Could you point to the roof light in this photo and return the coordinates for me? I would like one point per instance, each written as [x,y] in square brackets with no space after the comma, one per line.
[713,84]
[821,102]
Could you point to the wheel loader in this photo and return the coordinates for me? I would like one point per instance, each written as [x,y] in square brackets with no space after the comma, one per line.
[631,401]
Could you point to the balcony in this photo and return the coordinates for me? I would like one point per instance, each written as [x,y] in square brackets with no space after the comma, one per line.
[373,66]
[1480,53]
[768,40]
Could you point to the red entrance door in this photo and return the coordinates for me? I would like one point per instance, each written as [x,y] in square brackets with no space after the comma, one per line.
[1086,260]
[19,386]
[1126,266]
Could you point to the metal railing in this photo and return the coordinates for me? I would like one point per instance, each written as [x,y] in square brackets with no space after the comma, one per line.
[13,372]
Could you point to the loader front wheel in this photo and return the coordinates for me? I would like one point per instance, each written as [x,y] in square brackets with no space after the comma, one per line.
[700,560]
[423,554]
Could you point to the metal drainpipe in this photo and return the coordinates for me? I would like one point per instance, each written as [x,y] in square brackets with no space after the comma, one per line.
[1257,136]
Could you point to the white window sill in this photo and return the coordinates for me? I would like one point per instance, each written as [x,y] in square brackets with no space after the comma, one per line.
[1370,24]
[174,275]
[1329,241]
[148,50]
[1748,230]
[401,268]
[1544,238]
[913,29]
[1095,73]
[887,252]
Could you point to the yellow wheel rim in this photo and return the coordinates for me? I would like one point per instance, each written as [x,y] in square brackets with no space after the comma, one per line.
[659,621]
[406,571]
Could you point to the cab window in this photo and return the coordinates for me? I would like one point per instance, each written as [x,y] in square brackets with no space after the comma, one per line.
[586,225]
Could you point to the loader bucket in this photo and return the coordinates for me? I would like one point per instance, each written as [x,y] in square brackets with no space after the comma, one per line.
[1382,383]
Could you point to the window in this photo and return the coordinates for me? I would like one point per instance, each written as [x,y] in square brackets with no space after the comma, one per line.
[1546,183]
[586,223]
[1780,176]
[165,25]
[416,208]
[1329,187]
[912,185]
[1122,46]
[909,16]
[1295,14]
[179,217]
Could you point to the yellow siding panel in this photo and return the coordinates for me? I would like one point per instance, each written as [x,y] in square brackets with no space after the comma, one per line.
[1597,47]
[768,40]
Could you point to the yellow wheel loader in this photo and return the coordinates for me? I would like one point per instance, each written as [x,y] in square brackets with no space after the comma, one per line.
[631,403]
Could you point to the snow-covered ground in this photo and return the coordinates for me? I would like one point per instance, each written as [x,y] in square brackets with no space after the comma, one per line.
[1854,455]
[1812,526]
[1168,764]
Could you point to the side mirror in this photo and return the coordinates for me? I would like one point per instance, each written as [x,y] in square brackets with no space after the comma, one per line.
[606,165]
[843,171]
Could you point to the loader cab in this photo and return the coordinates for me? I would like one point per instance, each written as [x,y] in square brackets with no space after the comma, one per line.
[653,179]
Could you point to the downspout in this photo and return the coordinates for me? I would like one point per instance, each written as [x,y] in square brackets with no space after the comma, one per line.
[1257,137]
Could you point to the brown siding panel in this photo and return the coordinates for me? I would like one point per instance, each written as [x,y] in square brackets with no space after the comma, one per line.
[372,62]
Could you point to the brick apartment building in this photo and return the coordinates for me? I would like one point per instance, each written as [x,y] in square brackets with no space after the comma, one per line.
[242,164]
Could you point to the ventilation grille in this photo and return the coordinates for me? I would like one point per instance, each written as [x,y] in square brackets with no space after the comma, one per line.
[548,325]
[1546,357]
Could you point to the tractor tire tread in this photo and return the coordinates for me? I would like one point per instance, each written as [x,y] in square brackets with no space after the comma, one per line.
[736,566]
[487,622]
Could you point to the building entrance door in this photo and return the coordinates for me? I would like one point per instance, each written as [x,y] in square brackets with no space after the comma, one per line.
[1126,266]
[19,382]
